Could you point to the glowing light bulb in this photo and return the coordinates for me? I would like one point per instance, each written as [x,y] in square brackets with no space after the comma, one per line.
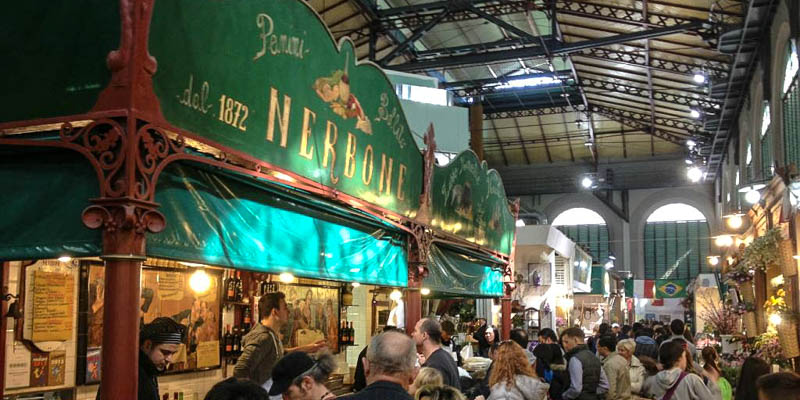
[713,260]
[587,182]
[199,281]
[752,196]
[694,174]
[775,319]
[65,259]
[699,78]
[734,221]
[286,277]
[425,291]
[355,284]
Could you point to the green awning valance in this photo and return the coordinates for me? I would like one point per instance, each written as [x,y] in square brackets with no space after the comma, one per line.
[455,274]
[44,193]
[230,220]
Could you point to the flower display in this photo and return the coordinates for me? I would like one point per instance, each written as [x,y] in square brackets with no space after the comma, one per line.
[723,318]
[764,250]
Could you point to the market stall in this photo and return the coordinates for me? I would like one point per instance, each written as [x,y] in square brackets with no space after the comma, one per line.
[193,160]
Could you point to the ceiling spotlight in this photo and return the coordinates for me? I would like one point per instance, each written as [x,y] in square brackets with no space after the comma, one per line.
[588,144]
[612,257]
[723,240]
[689,161]
[713,260]
[699,78]
[694,113]
[694,174]
[609,265]
[587,182]
[691,143]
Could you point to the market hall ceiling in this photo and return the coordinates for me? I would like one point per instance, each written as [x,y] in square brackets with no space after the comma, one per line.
[593,84]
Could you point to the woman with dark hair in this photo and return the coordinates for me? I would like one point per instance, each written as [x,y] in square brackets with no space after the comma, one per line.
[512,377]
[713,372]
[551,366]
[752,369]
[674,383]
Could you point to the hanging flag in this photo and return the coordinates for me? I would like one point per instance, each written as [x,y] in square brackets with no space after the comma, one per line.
[670,288]
[628,287]
[649,289]
[638,289]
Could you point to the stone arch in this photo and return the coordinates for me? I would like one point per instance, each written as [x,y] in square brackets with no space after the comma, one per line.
[615,225]
[703,201]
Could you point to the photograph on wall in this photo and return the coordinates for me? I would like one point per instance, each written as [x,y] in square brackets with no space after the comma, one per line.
[313,316]
[164,293]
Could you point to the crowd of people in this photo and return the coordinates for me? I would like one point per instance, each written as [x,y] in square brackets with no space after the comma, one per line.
[641,361]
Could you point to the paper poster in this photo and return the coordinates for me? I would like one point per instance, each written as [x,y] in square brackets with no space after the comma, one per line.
[39,371]
[208,354]
[53,299]
[18,368]
[171,285]
[93,362]
[56,366]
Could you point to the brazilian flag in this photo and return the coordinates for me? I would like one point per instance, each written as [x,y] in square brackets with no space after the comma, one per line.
[670,288]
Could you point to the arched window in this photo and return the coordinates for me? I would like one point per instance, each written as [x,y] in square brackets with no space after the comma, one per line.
[767,169]
[676,243]
[791,105]
[587,228]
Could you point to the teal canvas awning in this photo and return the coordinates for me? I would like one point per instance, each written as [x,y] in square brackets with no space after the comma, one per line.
[455,274]
[45,190]
[237,221]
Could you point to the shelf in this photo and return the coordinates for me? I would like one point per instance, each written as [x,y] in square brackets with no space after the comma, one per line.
[236,303]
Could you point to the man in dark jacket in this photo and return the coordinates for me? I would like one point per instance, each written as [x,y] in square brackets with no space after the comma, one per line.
[158,342]
[587,379]
[390,368]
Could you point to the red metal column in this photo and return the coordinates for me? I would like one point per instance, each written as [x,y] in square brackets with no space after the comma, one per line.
[413,308]
[505,317]
[3,327]
[121,329]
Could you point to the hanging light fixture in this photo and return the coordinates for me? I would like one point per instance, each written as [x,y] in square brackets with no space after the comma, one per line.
[286,277]
[694,174]
[699,78]
[695,113]
[425,291]
[587,182]
[752,192]
[713,261]
[395,295]
[723,240]
[734,221]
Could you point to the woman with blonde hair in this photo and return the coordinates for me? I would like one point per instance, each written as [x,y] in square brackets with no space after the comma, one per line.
[626,348]
[512,376]
[438,392]
[426,376]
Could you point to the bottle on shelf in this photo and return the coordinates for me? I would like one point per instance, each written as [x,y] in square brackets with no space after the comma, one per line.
[351,334]
[263,287]
[239,286]
[230,287]
[246,319]
[228,341]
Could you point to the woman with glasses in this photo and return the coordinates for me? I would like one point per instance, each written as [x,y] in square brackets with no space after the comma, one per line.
[512,376]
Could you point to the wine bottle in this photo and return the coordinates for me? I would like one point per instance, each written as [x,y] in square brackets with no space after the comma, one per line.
[228,341]
[262,288]
[230,287]
[237,342]
[351,333]
[246,319]
[239,286]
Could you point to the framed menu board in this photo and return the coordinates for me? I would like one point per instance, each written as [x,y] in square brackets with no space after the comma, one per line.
[165,293]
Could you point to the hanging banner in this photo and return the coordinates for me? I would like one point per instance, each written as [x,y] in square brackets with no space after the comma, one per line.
[644,289]
[266,79]
[469,200]
[670,288]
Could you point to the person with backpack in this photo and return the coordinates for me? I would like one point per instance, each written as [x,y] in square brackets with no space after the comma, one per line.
[674,383]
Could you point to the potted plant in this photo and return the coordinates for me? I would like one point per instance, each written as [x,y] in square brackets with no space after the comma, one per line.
[764,251]
[724,321]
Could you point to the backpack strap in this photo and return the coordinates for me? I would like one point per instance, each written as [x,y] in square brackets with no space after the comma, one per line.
[674,387]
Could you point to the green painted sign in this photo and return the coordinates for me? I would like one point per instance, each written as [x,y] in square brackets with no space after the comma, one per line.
[266,78]
[54,56]
[469,200]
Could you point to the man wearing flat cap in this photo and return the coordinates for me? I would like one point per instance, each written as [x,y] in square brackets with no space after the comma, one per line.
[158,342]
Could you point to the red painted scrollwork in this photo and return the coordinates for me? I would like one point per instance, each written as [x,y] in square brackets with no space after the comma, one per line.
[104,143]
[419,248]
[152,147]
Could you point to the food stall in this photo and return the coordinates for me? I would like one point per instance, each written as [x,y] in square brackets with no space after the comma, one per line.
[159,162]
